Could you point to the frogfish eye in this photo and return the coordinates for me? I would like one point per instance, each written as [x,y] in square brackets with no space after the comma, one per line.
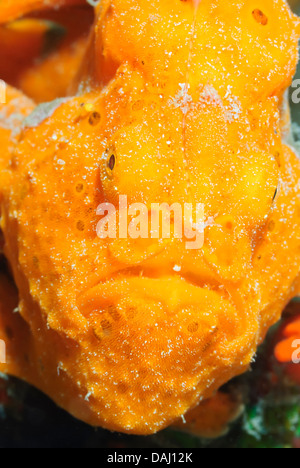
[111,160]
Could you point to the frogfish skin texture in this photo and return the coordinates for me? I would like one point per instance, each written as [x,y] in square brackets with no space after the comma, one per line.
[187,99]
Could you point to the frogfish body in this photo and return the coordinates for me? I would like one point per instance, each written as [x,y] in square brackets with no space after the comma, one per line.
[173,102]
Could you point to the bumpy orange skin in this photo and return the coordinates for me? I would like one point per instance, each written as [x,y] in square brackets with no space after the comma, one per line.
[23,360]
[187,100]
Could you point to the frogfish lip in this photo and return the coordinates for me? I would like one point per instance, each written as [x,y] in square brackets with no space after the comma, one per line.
[125,306]
[172,290]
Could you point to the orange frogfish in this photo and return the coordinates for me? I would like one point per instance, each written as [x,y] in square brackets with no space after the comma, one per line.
[171,102]
[287,348]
